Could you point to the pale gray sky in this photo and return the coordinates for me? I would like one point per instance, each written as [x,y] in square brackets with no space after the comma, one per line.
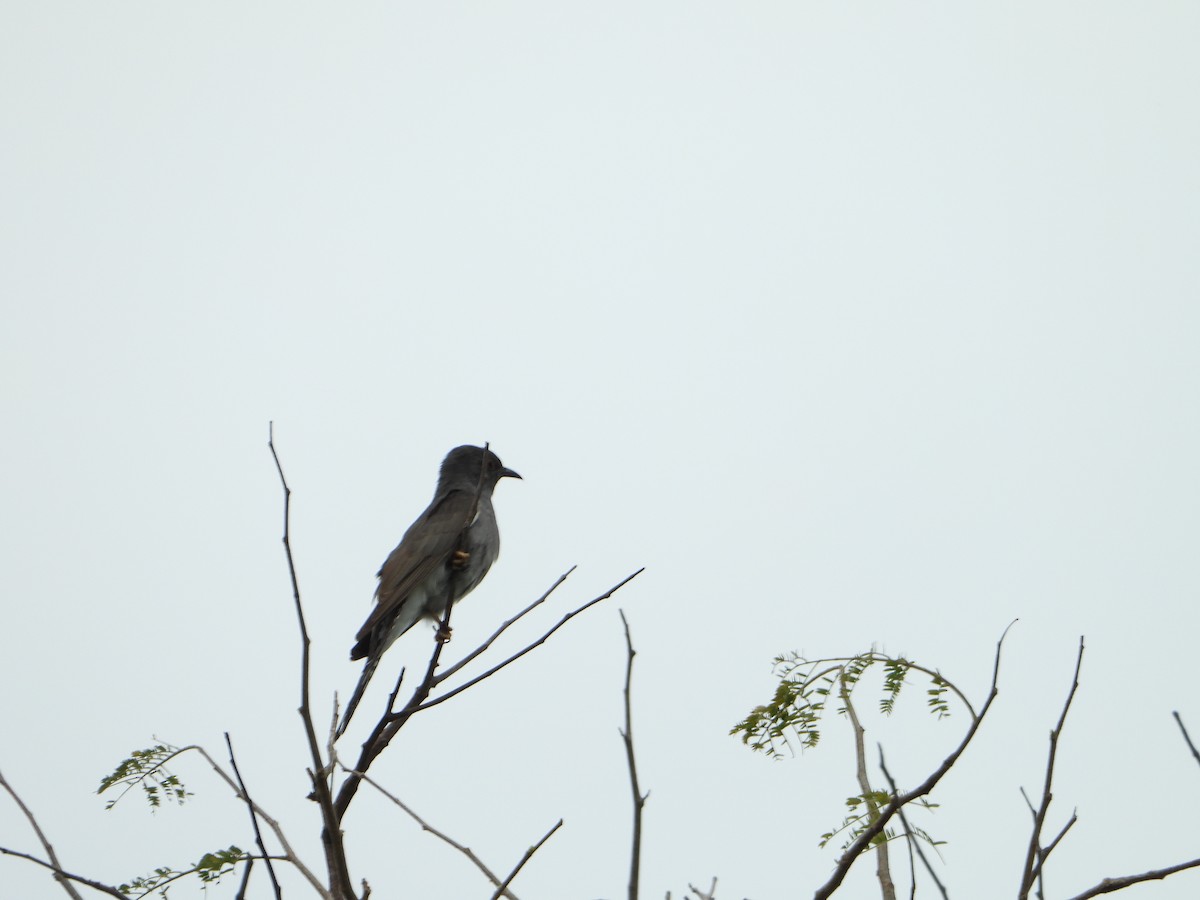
[853,323]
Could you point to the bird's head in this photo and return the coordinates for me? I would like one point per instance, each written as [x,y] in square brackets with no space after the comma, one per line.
[469,464]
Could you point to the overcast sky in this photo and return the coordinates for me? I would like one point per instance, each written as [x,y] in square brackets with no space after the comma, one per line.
[854,323]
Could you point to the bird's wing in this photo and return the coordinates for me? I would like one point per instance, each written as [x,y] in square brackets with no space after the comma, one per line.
[425,546]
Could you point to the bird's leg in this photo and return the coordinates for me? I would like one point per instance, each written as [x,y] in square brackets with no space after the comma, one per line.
[459,558]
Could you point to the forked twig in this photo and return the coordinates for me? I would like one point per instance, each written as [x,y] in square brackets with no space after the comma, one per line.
[425,826]
[59,875]
[914,843]
[499,892]
[1034,851]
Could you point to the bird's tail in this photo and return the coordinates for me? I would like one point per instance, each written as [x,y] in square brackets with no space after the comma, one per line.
[363,680]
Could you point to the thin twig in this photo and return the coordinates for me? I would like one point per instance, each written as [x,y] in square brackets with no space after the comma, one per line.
[1187,737]
[1108,885]
[388,726]
[331,836]
[425,826]
[1044,853]
[258,838]
[503,627]
[1039,819]
[639,799]
[499,892]
[59,875]
[863,841]
[561,622]
[288,853]
[883,867]
[913,841]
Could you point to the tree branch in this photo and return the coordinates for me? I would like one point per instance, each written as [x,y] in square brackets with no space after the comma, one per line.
[391,723]
[913,841]
[258,838]
[639,799]
[1108,885]
[864,840]
[1029,873]
[1187,738]
[59,875]
[425,826]
[331,835]
[524,859]
[276,829]
[883,868]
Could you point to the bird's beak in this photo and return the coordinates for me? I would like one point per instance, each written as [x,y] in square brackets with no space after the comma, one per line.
[509,473]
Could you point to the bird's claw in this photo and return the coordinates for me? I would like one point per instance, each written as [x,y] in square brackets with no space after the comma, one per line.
[443,634]
[459,558]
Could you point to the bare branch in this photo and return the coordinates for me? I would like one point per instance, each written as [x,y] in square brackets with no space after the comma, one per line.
[59,875]
[1108,885]
[331,836]
[391,723]
[524,859]
[425,826]
[1187,737]
[288,853]
[639,799]
[561,622]
[503,627]
[864,840]
[1030,870]
[258,838]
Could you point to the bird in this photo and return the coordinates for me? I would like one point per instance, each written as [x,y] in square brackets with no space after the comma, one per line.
[442,557]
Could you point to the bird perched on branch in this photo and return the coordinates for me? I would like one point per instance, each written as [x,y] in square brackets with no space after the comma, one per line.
[442,557]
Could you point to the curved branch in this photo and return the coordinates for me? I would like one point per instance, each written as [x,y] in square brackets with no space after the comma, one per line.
[863,841]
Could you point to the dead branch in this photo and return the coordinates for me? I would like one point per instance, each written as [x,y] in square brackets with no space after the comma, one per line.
[425,826]
[1108,885]
[390,724]
[639,799]
[331,835]
[499,892]
[1187,738]
[1034,854]
[258,838]
[62,874]
[59,875]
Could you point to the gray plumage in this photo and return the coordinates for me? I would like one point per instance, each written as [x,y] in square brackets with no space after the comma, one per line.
[442,557]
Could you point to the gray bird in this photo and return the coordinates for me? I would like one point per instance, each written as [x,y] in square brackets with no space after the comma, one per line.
[442,557]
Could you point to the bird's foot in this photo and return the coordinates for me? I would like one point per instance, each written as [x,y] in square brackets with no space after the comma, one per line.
[459,558]
[443,634]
